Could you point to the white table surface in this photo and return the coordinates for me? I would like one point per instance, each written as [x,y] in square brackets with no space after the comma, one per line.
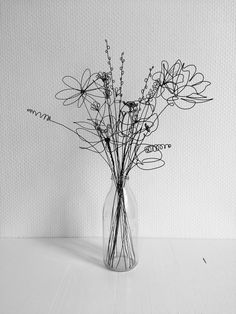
[67,276]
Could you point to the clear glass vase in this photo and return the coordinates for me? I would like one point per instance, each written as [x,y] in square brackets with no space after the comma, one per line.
[120,227]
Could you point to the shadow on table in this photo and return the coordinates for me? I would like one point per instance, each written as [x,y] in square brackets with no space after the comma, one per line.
[86,249]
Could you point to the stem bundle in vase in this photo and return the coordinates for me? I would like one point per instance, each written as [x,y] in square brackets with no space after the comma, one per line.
[119,249]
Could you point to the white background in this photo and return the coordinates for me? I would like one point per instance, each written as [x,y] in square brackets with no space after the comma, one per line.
[49,187]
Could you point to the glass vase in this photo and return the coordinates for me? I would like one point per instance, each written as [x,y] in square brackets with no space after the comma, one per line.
[120,226]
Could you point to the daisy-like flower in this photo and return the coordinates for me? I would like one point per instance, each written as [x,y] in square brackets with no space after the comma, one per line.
[80,92]
[180,85]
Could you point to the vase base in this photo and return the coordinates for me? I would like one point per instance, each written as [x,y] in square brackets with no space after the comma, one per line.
[121,264]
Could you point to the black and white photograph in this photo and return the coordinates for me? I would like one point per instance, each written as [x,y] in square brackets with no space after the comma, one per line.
[118,157]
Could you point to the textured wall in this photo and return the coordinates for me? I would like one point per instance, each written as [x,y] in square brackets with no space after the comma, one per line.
[49,187]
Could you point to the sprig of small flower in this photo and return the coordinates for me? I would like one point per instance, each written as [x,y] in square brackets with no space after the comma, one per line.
[146,86]
[120,93]
[109,63]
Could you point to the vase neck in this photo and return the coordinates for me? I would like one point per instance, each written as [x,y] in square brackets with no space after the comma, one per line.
[121,181]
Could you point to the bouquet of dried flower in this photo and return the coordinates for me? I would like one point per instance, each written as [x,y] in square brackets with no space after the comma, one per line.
[117,129]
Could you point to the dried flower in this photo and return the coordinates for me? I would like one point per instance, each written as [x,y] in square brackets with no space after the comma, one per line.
[118,128]
[80,92]
[180,85]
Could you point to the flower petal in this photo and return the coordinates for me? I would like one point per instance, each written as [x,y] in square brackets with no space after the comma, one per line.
[71,82]
[182,103]
[175,69]
[67,93]
[71,100]
[81,101]
[164,67]
[185,90]
[191,69]
[198,98]
[201,87]
[198,78]
[85,79]
[179,79]
[182,79]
